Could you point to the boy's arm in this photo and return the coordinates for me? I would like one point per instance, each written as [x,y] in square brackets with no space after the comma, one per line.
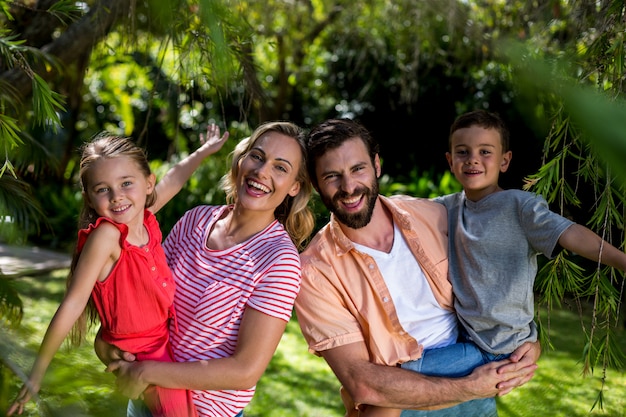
[176,177]
[584,242]
[524,357]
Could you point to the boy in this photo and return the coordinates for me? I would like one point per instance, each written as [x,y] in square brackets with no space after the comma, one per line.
[495,236]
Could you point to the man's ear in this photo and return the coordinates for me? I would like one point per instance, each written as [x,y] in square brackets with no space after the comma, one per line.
[506,161]
[377,166]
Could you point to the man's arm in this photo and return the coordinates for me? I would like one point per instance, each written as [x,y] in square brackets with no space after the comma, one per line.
[388,386]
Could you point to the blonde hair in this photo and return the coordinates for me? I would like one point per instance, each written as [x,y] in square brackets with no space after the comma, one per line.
[294,212]
[102,146]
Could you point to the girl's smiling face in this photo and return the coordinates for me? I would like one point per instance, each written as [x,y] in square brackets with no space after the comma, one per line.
[116,188]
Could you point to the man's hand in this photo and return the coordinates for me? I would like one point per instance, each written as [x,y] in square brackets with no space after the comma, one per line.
[485,381]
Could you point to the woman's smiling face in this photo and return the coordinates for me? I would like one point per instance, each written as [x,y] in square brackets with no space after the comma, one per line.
[268,172]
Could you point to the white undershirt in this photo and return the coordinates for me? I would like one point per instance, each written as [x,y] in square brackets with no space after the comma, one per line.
[418,311]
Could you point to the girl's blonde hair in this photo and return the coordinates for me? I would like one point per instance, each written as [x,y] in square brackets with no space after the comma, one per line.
[102,146]
[294,212]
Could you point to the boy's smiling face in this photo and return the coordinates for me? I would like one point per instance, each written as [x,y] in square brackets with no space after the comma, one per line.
[476,159]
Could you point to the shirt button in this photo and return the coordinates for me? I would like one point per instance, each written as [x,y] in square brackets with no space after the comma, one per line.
[371,266]
[153,268]
[147,250]
[385,299]
[165,284]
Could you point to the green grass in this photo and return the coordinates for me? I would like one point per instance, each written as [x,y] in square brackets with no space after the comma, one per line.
[296,382]
[75,384]
[559,389]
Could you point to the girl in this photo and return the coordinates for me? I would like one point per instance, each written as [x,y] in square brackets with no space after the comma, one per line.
[119,266]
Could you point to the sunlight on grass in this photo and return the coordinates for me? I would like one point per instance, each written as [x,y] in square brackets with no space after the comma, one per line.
[296,382]
[558,388]
[75,382]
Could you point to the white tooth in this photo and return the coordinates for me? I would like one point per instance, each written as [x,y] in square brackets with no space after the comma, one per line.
[259,186]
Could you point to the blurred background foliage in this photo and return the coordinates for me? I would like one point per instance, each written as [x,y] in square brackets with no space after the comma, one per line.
[160,71]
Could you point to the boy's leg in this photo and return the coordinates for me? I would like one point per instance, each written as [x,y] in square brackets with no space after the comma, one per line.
[137,408]
[455,360]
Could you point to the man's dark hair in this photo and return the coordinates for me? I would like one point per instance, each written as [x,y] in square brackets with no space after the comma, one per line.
[330,135]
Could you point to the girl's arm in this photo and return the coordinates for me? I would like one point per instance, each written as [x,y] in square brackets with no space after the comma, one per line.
[177,176]
[584,242]
[259,336]
[96,254]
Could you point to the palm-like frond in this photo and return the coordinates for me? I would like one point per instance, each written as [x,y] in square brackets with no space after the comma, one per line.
[11,307]
[19,211]
[33,157]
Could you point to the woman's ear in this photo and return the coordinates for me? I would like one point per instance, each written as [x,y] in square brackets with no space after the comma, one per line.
[295,189]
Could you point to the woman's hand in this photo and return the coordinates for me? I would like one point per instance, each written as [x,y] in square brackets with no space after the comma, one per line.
[108,353]
[129,382]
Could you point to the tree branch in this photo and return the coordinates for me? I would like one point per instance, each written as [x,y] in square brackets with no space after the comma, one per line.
[78,39]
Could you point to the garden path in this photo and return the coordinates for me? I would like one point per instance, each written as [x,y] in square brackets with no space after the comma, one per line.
[18,261]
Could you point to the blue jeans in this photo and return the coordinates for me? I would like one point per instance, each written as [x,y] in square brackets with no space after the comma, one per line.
[456,360]
[137,408]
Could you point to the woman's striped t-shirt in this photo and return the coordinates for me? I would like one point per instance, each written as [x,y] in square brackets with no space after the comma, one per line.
[213,288]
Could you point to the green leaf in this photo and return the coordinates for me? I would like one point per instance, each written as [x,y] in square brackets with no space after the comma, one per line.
[46,104]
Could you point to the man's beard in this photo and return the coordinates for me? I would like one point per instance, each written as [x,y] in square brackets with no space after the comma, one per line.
[353,220]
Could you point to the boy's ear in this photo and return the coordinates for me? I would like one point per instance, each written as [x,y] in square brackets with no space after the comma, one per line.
[506,161]
[449,159]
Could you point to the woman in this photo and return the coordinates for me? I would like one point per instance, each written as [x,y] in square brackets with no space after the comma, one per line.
[237,271]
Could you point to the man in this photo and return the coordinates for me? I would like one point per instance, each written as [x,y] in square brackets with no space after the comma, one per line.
[375,292]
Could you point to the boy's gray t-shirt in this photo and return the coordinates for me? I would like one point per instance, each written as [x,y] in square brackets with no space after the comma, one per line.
[494,245]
